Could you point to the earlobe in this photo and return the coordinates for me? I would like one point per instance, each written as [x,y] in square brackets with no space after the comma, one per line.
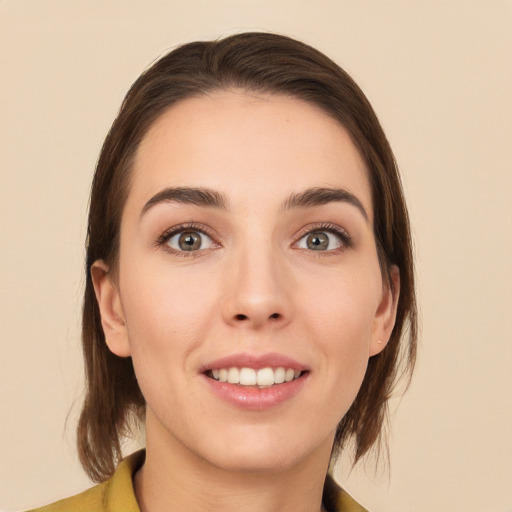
[385,317]
[109,303]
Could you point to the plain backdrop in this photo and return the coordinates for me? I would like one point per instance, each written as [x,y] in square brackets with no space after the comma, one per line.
[439,75]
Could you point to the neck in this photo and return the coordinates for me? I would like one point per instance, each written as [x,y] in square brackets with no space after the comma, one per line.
[174,478]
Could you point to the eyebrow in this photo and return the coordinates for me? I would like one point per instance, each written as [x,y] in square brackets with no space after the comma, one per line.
[208,198]
[319,196]
[203,197]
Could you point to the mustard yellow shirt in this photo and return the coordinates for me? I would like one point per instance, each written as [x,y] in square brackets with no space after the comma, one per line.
[117,494]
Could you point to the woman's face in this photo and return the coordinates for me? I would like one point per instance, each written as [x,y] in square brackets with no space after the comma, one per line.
[247,254]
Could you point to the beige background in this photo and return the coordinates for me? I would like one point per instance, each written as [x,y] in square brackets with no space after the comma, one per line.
[439,74]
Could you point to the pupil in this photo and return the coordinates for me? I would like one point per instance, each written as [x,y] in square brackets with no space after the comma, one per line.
[318,241]
[190,241]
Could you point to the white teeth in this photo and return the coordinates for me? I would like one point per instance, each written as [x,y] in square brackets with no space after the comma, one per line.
[290,375]
[247,377]
[233,375]
[279,375]
[263,378]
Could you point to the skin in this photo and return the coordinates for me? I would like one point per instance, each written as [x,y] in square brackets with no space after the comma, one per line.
[253,287]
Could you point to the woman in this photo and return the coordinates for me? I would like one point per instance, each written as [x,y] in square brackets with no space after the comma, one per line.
[249,278]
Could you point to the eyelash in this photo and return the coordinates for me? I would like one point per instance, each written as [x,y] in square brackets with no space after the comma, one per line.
[346,239]
[164,238]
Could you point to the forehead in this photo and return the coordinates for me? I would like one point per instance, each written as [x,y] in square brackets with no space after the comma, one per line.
[247,145]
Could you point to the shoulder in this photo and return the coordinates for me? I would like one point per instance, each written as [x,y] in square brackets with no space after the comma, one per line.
[91,500]
[337,500]
[115,494]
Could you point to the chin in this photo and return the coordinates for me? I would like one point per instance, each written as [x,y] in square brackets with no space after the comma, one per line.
[267,454]
[264,462]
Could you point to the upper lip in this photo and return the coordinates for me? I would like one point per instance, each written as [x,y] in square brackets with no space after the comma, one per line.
[270,359]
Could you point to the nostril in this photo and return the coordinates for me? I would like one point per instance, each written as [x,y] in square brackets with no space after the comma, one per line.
[241,317]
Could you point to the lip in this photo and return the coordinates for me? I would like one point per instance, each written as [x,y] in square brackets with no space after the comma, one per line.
[271,359]
[254,398]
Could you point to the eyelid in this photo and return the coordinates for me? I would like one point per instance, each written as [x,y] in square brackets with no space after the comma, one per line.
[328,227]
[163,239]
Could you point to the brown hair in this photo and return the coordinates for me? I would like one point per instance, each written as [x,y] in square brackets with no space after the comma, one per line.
[256,62]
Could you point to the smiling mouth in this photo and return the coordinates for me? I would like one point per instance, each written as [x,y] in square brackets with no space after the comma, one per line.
[262,378]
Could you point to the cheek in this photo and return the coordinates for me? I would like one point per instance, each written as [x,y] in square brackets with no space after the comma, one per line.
[166,319]
[341,321]
[167,311]
[345,309]
[159,293]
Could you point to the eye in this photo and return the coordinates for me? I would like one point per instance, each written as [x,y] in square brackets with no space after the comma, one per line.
[189,240]
[324,240]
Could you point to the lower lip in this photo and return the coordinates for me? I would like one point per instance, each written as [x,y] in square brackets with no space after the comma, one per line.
[248,397]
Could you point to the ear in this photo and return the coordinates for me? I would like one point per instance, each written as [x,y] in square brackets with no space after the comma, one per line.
[112,316]
[385,316]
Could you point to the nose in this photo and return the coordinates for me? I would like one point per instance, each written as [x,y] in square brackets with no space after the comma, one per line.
[258,292]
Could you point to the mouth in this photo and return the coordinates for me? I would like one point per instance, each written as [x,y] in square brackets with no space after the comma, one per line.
[261,378]
[256,382]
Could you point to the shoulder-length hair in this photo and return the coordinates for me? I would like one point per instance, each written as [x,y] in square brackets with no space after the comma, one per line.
[265,63]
